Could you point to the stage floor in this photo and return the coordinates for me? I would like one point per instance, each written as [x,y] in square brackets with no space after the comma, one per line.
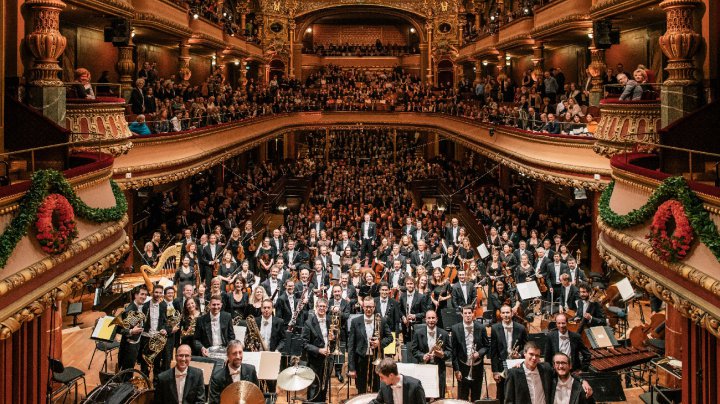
[78,348]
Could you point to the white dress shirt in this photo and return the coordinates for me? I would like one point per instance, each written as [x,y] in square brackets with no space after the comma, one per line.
[383,306]
[508,336]
[537,392]
[266,330]
[180,378]
[432,337]
[564,343]
[366,230]
[154,315]
[463,288]
[369,329]
[557,272]
[215,328]
[397,391]
[563,390]
[469,339]
[234,373]
[323,329]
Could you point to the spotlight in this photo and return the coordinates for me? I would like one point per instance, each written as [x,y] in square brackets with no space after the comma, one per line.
[308,30]
[484,63]
[412,30]
[492,18]
[237,63]
[590,35]
[507,63]
[214,57]
[196,16]
[507,57]
[132,34]
[224,14]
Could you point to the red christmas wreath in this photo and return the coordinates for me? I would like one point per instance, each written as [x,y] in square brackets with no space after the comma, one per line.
[55,225]
[671,234]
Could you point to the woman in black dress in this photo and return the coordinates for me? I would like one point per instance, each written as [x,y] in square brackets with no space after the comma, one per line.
[192,254]
[440,292]
[185,275]
[237,301]
[255,302]
[149,256]
[226,271]
[187,324]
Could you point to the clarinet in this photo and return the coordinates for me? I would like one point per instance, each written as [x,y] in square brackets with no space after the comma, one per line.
[293,320]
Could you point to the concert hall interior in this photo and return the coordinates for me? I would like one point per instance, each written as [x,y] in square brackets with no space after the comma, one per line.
[355,201]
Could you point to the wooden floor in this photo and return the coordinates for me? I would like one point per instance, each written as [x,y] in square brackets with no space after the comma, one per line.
[78,349]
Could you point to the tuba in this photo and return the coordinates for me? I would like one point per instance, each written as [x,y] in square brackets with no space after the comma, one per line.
[253,339]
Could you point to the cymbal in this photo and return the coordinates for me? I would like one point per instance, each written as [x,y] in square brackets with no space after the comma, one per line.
[295,378]
[242,392]
[362,399]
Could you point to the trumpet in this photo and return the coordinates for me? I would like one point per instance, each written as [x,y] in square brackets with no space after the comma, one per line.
[437,349]
[471,363]
[515,352]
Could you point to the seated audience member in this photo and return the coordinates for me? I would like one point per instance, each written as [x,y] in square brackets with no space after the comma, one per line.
[139,126]
[632,90]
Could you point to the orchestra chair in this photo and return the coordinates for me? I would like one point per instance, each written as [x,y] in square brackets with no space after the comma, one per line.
[67,377]
[105,347]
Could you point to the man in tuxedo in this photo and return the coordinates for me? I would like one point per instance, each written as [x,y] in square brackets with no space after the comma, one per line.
[553,270]
[341,307]
[367,235]
[155,312]
[408,229]
[305,283]
[291,257]
[589,312]
[277,243]
[396,276]
[287,303]
[396,388]
[214,328]
[272,284]
[419,234]
[187,239]
[541,261]
[316,337]
[229,223]
[363,346]
[394,255]
[463,292]
[348,291]
[505,337]
[130,338]
[209,255]
[187,294]
[421,256]
[452,232]
[272,329]
[568,296]
[388,307]
[325,259]
[522,249]
[320,278]
[565,388]
[567,342]
[577,275]
[469,344]
[531,382]
[413,306]
[345,242]
[183,384]
[425,339]
[233,371]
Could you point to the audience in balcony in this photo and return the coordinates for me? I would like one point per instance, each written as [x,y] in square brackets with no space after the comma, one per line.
[137,97]
[82,88]
[139,126]
[632,89]
[358,50]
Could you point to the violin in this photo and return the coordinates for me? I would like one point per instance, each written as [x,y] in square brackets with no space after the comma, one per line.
[478,310]
[252,247]
[450,273]
[240,254]
[542,285]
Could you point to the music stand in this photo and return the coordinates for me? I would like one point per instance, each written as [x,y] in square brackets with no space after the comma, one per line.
[75,309]
[607,386]
[450,317]
[540,339]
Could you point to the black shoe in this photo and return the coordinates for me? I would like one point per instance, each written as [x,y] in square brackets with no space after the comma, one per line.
[340,377]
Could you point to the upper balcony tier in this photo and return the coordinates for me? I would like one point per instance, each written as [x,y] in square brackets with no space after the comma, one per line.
[561,159]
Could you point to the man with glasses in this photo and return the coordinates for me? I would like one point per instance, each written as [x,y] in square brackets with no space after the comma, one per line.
[566,389]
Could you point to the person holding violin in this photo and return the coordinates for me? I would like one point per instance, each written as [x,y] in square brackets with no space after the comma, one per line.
[590,312]
[507,256]
[245,272]
[236,302]
[463,292]
[395,277]
[554,270]
[226,273]
[209,257]
[568,296]
[466,253]
[441,292]
[577,275]
[502,297]
[292,257]
[523,249]
[495,269]
[235,245]
[264,256]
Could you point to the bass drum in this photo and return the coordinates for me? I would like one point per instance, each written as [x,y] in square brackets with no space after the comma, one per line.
[362,399]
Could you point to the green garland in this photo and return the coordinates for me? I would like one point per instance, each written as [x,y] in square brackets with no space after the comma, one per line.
[43,183]
[671,188]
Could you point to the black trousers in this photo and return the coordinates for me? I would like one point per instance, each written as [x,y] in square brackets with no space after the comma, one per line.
[500,396]
[470,390]
[318,389]
[361,382]
[366,249]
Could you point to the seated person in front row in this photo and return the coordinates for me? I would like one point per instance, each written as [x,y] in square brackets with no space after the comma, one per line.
[396,388]
[233,371]
[181,384]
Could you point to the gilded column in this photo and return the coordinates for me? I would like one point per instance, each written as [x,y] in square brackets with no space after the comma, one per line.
[501,65]
[184,62]
[220,64]
[538,59]
[126,68]
[46,44]
[478,71]
[597,69]
[680,43]
[430,75]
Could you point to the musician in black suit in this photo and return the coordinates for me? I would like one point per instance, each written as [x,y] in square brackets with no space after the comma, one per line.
[341,307]
[214,328]
[182,384]
[187,239]
[565,388]
[317,224]
[502,297]
[568,296]
[577,275]
[320,278]
[233,371]
[348,291]
[277,243]
[272,329]
[523,249]
[187,294]
[388,308]
[272,285]
[411,389]
[419,234]
[568,342]
[209,255]
[287,304]
[517,390]
[452,232]
[155,312]
[292,258]
[306,283]
[413,305]
[469,344]
[589,312]
[463,292]
[421,256]
[362,342]
[130,338]
[396,276]
[367,234]
[541,262]
[553,270]
[425,339]
[506,338]
[316,337]
[395,255]
[345,242]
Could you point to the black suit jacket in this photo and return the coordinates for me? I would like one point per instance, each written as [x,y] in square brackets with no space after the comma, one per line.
[594,309]
[413,392]
[459,348]
[162,316]
[358,342]
[341,245]
[420,347]
[392,313]
[516,387]
[423,236]
[550,271]
[295,261]
[420,304]
[416,260]
[529,253]
[203,330]
[580,354]
[457,294]
[579,275]
[313,340]
[542,269]
[408,230]
[277,250]
[499,346]
[221,378]
[572,298]
[277,333]
[449,235]
[283,310]
[206,255]
[577,393]
[371,231]
[266,285]
[193,393]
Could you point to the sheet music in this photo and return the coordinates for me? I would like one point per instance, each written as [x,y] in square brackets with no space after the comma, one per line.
[104,330]
[427,374]
[239,332]
[528,290]
[109,281]
[335,258]
[626,289]
[511,363]
[267,364]
[207,369]
[483,251]
[437,263]
[165,282]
